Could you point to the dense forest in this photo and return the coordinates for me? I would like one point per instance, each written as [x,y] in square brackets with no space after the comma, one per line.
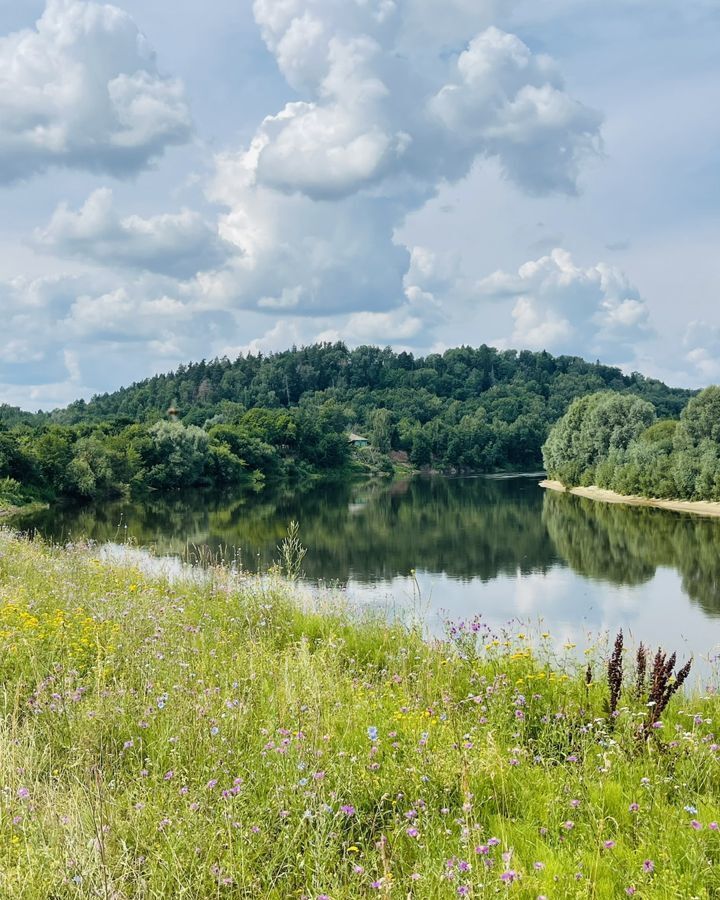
[287,415]
[617,442]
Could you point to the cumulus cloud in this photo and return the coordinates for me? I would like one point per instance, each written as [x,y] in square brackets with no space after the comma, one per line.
[82,89]
[148,322]
[702,346]
[565,308]
[178,245]
[388,112]
[393,100]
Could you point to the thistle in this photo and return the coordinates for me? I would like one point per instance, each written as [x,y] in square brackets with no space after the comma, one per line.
[615,673]
[641,669]
[664,685]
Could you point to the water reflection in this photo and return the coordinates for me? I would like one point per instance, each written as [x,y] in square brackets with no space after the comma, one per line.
[463,532]
[625,545]
[466,528]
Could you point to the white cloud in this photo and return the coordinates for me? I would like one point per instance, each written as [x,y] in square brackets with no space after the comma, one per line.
[82,89]
[702,344]
[316,198]
[504,101]
[179,245]
[562,307]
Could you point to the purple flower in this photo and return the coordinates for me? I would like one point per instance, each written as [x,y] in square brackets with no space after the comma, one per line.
[609,845]
[493,842]
[412,832]
[568,826]
[212,783]
[634,807]
[483,849]
[23,793]
[539,866]
[696,825]
[509,876]
[648,866]
[348,809]
[463,890]
[168,775]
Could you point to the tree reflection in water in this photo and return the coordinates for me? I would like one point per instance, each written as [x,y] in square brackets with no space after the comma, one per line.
[625,545]
[466,528]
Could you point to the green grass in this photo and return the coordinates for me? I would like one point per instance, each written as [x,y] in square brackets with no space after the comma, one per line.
[217,739]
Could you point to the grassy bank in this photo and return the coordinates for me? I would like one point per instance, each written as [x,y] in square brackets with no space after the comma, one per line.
[225,738]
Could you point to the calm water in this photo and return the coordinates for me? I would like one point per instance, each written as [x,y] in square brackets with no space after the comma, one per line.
[503,548]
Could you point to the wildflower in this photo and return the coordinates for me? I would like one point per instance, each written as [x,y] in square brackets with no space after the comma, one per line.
[463,866]
[412,832]
[358,870]
[630,891]
[493,842]
[634,807]
[483,849]
[648,866]
[509,876]
[568,826]
[463,890]
[348,809]
[372,733]
[696,825]
[609,845]
[212,783]
[713,826]
[690,809]
[23,793]
[168,775]
[539,866]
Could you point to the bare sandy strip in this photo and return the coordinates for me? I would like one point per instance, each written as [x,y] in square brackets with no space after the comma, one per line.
[698,507]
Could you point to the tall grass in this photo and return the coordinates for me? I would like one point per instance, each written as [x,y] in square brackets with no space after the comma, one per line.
[226,737]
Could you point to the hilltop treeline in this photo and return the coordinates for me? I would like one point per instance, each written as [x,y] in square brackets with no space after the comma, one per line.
[618,442]
[289,413]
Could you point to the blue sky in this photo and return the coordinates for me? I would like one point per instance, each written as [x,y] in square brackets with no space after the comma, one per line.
[180,182]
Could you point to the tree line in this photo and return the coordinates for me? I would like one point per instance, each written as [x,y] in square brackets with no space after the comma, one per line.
[619,442]
[260,418]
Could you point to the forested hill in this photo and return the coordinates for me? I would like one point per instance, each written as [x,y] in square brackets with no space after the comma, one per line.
[479,409]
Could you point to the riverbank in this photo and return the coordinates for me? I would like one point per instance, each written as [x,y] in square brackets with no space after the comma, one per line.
[234,736]
[698,507]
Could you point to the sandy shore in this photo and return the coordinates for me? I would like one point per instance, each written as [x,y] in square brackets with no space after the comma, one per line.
[698,507]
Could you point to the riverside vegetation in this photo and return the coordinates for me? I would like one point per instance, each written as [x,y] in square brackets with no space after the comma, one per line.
[618,443]
[286,417]
[228,736]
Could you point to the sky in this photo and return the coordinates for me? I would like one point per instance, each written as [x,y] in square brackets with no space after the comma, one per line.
[182,181]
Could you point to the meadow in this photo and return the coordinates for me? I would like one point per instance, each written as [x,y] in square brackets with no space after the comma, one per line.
[234,736]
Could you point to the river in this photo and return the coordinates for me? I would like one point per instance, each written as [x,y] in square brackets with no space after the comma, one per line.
[501,548]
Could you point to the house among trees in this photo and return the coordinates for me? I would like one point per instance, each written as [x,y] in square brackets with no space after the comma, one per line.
[355,440]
